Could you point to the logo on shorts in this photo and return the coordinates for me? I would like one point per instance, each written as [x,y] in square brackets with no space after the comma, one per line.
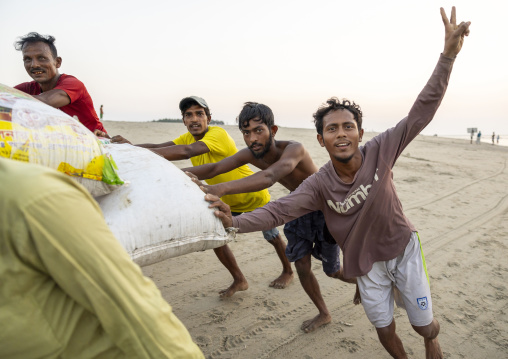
[423,304]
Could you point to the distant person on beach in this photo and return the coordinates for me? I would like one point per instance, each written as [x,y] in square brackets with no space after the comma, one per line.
[493,137]
[61,91]
[356,193]
[288,163]
[207,144]
[498,139]
[101,112]
[69,289]
[478,137]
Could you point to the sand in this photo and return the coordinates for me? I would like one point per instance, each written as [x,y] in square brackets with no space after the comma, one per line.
[455,193]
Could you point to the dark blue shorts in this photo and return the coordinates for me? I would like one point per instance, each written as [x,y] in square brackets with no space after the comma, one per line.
[308,234]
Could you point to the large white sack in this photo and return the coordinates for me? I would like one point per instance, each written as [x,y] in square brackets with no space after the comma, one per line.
[31,131]
[159,213]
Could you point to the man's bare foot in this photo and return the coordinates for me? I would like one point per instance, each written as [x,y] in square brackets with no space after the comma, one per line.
[314,323]
[237,286]
[283,280]
[357,299]
[432,349]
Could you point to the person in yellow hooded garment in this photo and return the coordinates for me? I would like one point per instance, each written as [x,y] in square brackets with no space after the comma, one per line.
[69,289]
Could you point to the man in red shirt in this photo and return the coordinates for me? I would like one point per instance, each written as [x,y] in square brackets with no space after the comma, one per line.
[49,86]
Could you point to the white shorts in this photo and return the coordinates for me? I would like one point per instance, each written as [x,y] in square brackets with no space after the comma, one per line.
[408,274]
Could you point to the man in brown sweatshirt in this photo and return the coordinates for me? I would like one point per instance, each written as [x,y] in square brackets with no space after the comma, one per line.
[356,193]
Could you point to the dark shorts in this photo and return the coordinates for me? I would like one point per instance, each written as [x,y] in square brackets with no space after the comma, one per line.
[268,234]
[308,234]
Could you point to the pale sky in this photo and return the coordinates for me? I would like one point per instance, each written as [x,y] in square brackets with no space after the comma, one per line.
[139,58]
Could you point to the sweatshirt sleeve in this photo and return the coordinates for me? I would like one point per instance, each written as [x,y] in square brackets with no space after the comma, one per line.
[285,209]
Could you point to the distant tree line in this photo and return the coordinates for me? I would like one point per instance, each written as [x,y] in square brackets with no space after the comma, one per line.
[178,120]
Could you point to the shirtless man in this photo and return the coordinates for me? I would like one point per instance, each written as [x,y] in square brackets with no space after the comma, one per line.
[288,163]
[356,193]
[207,144]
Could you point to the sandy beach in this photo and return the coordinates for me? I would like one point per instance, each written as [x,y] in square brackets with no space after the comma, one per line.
[455,193]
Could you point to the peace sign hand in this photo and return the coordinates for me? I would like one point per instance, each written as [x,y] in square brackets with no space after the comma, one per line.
[454,34]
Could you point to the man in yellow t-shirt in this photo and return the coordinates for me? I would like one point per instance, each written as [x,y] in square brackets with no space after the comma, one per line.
[69,289]
[209,144]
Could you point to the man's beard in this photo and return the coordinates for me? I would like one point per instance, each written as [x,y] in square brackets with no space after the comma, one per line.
[264,151]
[344,160]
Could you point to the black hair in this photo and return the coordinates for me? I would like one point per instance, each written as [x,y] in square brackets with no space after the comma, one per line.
[190,102]
[34,37]
[252,110]
[334,104]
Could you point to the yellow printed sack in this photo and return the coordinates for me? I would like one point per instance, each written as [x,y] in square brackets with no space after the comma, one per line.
[31,131]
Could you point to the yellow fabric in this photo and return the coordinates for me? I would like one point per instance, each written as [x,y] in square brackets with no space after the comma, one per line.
[68,289]
[423,259]
[221,145]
